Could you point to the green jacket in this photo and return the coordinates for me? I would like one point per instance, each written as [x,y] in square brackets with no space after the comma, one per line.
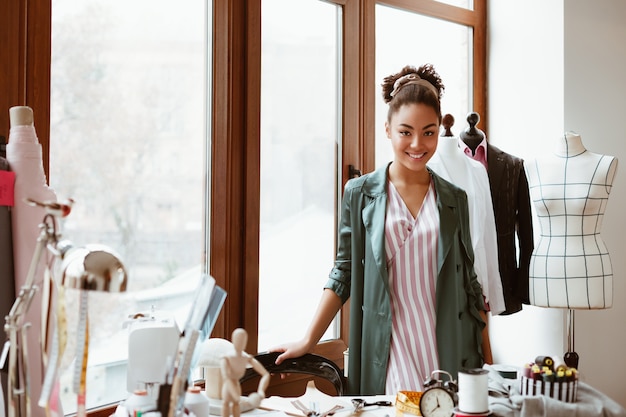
[360,274]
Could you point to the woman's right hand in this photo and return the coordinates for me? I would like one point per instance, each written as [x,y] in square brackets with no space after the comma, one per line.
[328,307]
[291,350]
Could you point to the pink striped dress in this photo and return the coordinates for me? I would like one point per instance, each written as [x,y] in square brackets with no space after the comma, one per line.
[411,248]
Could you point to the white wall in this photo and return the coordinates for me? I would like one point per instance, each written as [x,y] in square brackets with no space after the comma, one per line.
[525,100]
[556,66]
[595,105]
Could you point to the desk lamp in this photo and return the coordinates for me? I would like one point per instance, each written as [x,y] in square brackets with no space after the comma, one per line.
[88,268]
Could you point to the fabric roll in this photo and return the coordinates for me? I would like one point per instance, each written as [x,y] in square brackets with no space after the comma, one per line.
[24,155]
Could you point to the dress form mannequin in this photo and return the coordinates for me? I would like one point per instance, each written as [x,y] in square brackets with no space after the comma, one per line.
[451,164]
[447,121]
[571,267]
[511,208]
[472,136]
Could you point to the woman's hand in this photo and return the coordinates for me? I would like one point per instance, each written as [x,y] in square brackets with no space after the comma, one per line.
[291,350]
[327,309]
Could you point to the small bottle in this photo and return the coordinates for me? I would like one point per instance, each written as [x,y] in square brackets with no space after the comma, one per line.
[139,402]
[197,402]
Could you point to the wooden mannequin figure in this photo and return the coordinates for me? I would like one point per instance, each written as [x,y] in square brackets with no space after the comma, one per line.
[512,211]
[233,368]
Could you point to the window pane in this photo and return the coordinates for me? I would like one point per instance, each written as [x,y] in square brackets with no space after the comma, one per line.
[404,38]
[466,4]
[299,95]
[127,142]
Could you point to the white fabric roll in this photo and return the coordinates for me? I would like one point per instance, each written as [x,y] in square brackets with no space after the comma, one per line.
[24,154]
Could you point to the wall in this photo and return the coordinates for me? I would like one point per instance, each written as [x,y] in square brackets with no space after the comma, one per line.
[595,100]
[550,70]
[525,100]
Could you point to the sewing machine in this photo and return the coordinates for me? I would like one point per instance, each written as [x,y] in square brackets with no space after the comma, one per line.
[152,343]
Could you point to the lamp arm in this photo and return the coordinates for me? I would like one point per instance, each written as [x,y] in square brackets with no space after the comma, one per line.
[27,292]
[93,267]
[25,374]
[19,380]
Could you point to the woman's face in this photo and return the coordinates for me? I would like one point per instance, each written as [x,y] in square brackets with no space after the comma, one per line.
[414,132]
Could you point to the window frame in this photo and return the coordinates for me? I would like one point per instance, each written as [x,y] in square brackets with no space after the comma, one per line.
[25,70]
[233,174]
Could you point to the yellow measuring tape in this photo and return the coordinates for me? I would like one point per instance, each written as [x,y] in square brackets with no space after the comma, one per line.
[82,355]
[408,402]
[49,398]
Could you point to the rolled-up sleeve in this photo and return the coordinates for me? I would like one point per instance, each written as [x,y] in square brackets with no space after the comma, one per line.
[339,279]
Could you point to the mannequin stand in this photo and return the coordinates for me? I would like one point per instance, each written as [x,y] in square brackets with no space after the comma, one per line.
[571,357]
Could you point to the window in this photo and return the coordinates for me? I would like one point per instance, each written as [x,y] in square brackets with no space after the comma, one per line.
[300,95]
[412,36]
[239,175]
[127,142]
[118,118]
[461,3]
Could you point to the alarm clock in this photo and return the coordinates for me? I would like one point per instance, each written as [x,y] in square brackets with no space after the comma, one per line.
[439,397]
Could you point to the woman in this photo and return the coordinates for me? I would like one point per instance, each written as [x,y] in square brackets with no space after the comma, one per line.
[404,258]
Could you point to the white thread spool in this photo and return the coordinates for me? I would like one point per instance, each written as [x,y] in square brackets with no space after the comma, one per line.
[473,391]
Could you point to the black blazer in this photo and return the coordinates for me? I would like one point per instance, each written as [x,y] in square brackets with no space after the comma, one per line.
[513,216]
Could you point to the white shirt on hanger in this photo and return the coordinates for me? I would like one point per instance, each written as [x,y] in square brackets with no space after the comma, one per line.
[452,164]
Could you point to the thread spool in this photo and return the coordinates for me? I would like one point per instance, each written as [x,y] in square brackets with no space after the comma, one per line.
[473,392]
[545,362]
[559,364]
